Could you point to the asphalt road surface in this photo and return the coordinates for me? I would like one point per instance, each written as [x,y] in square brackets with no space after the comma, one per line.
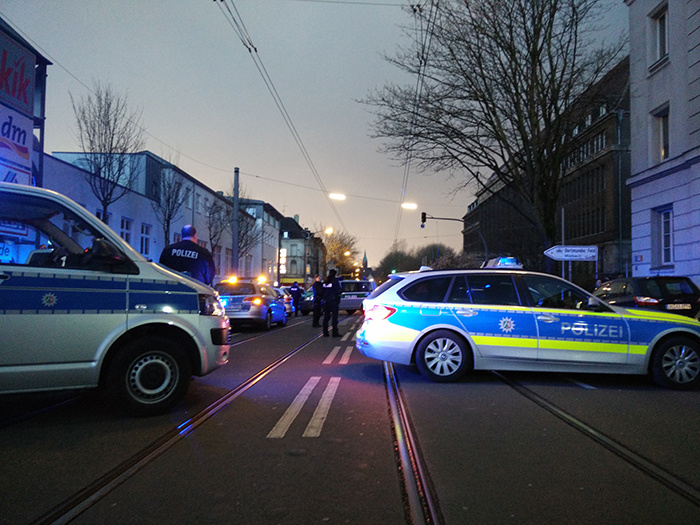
[310,440]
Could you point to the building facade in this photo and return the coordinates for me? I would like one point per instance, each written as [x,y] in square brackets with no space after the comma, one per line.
[303,253]
[665,107]
[593,199]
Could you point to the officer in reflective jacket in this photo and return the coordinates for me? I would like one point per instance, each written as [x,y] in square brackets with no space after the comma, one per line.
[331,301]
[189,257]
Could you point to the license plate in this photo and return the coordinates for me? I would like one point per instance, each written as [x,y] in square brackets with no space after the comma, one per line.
[680,306]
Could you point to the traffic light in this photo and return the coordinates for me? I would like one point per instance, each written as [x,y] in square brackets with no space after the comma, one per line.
[423,217]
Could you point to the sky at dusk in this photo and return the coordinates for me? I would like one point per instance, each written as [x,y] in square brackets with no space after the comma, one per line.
[206,107]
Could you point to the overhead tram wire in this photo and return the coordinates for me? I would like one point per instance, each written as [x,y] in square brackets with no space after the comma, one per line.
[239,28]
[420,80]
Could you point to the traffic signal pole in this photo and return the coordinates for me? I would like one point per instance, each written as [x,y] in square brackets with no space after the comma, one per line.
[424,217]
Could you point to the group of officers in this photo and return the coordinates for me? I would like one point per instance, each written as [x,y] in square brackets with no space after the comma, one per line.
[188,257]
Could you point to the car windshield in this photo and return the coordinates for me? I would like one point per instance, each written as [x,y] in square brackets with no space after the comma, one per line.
[235,288]
[357,286]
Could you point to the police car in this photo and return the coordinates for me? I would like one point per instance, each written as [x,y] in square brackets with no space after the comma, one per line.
[451,321]
[354,292]
[80,308]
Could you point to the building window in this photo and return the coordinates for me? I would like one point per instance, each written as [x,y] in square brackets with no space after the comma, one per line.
[145,240]
[662,236]
[125,229]
[227,261]
[99,214]
[660,21]
[216,253]
[660,131]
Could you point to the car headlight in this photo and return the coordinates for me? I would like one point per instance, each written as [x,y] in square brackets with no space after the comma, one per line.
[210,305]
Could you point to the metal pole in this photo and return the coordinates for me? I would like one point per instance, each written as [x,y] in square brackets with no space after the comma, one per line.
[234,222]
[563,243]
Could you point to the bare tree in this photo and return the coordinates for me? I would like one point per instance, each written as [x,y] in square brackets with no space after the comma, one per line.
[250,234]
[108,135]
[172,195]
[217,215]
[498,84]
[341,251]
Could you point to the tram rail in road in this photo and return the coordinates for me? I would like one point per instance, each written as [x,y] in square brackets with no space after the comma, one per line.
[421,500]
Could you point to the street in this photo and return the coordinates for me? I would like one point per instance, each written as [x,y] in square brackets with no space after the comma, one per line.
[310,440]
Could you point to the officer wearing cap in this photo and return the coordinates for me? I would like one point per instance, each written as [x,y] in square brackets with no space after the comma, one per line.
[189,257]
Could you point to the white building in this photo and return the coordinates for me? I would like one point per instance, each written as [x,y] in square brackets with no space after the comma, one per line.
[665,139]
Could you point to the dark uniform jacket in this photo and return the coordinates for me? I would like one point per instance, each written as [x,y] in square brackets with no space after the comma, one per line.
[191,259]
[332,291]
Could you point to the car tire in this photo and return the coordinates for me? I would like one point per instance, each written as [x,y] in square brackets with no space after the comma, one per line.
[443,356]
[675,364]
[149,376]
[350,312]
[267,323]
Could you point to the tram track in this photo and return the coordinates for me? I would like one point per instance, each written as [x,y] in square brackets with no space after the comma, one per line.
[421,501]
[75,505]
[648,467]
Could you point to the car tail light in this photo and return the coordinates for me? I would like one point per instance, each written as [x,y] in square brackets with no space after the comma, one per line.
[645,301]
[257,301]
[379,313]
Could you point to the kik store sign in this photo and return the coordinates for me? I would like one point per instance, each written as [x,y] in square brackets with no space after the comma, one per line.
[16,111]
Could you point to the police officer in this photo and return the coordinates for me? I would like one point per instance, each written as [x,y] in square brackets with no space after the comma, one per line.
[189,257]
[296,291]
[317,288]
[331,301]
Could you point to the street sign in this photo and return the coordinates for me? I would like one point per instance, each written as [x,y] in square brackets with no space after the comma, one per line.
[572,253]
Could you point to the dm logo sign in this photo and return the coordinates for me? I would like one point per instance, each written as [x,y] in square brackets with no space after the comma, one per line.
[15,146]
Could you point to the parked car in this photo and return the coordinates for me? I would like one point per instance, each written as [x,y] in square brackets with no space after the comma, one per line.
[354,292]
[251,302]
[306,306]
[287,298]
[677,295]
[448,322]
[80,308]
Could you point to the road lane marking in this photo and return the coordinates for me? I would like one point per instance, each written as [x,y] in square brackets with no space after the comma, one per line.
[313,429]
[346,356]
[331,356]
[280,429]
[345,337]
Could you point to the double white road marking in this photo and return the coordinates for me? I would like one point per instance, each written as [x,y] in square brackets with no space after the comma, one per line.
[313,429]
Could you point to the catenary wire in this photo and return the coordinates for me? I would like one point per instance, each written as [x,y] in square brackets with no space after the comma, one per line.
[257,60]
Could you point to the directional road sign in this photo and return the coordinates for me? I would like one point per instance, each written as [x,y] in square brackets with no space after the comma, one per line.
[572,253]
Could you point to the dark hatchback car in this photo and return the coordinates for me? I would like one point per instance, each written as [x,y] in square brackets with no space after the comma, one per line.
[677,295]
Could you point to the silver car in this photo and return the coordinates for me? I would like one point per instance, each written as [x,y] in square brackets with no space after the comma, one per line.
[250,302]
[354,292]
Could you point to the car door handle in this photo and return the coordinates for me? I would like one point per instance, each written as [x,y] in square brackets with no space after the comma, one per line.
[547,318]
[466,313]
[4,277]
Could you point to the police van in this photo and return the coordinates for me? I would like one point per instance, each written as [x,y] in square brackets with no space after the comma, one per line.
[80,308]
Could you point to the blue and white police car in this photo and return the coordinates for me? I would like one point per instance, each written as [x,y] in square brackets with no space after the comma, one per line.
[80,308]
[448,322]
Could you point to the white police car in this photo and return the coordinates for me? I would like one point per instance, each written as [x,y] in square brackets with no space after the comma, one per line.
[80,308]
[451,321]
